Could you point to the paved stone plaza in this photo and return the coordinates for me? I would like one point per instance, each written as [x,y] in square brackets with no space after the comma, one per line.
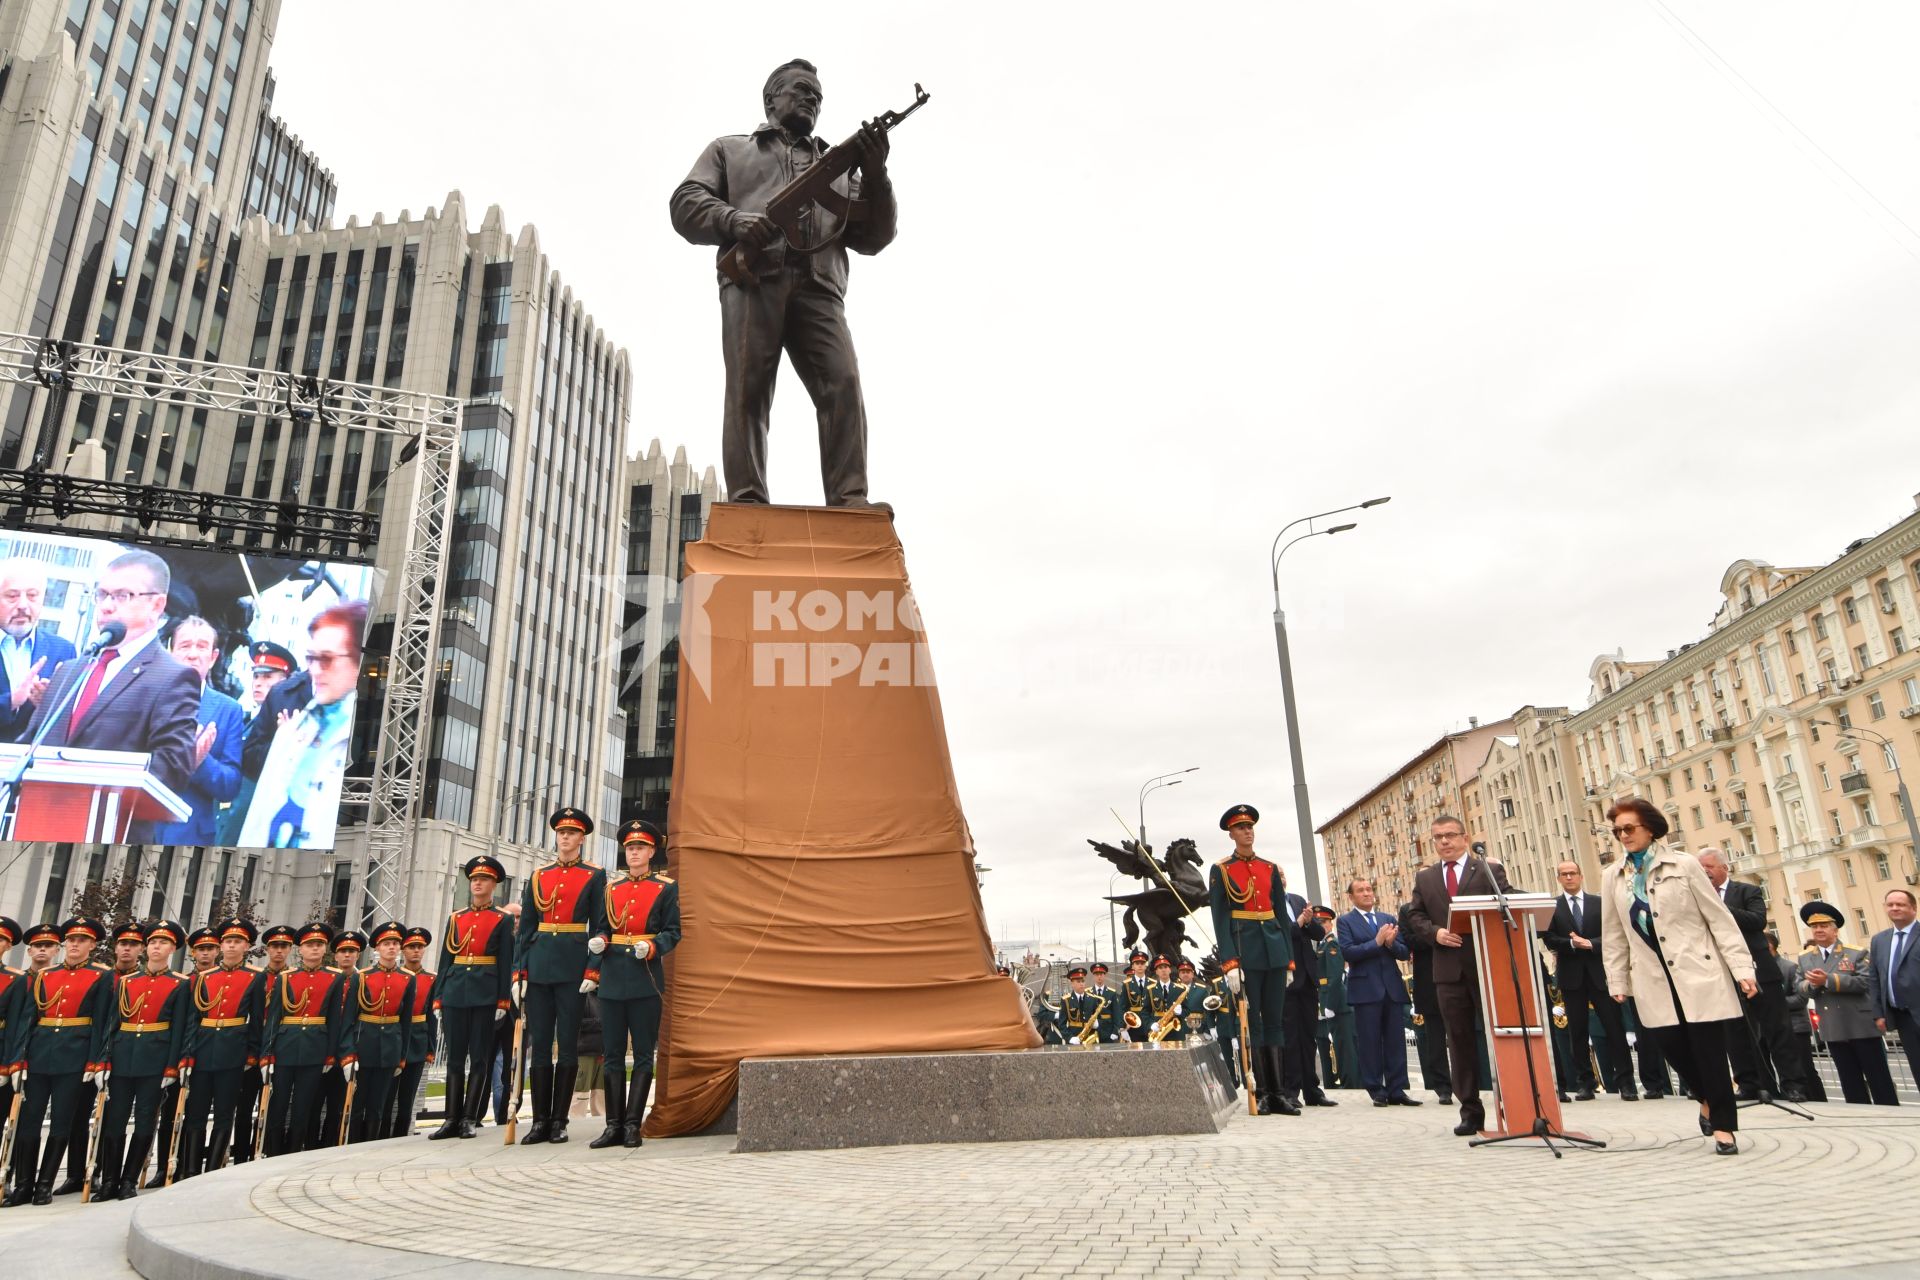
[1350,1192]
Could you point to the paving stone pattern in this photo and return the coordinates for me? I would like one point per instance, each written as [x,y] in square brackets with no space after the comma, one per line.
[1354,1191]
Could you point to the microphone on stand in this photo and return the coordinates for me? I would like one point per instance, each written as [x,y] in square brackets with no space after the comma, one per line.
[108,636]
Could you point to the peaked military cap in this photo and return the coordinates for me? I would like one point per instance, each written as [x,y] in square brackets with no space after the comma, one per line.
[1162,960]
[349,940]
[316,929]
[1185,964]
[238,928]
[417,934]
[1100,966]
[268,656]
[1239,813]
[485,865]
[391,929]
[42,933]
[1817,912]
[84,925]
[570,818]
[1137,954]
[129,931]
[10,930]
[639,831]
[279,933]
[203,937]
[168,929]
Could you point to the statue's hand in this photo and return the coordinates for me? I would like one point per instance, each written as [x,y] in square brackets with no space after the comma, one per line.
[874,146]
[755,229]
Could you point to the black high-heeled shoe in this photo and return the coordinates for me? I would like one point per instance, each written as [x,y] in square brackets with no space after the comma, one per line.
[1726,1148]
[1706,1127]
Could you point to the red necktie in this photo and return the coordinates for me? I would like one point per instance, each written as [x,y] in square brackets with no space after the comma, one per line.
[91,690]
[1453,880]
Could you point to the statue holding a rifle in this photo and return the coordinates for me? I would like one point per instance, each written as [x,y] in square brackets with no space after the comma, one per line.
[784,208]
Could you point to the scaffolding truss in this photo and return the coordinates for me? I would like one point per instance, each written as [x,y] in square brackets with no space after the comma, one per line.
[426,468]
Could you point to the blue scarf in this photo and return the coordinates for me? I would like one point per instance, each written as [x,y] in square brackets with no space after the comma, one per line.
[1638,861]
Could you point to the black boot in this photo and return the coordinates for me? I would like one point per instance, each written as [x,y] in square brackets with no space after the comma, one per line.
[636,1105]
[450,1127]
[563,1079]
[1279,1100]
[70,1186]
[43,1192]
[129,1184]
[474,1110]
[541,1130]
[614,1081]
[1262,1089]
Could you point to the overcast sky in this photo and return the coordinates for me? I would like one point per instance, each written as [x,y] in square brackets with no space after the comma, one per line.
[1590,309]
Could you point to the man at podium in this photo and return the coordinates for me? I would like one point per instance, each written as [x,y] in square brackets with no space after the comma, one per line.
[1458,872]
[134,696]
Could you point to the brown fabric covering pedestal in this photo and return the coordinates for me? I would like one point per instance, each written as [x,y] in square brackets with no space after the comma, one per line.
[827,892]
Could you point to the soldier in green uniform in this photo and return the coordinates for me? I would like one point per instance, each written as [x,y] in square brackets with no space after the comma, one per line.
[1133,990]
[203,952]
[1113,1005]
[229,1008]
[1333,1035]
[1081,1011]
[148,1049]
[1256,949]
[472,990]
[382,1003]
[1166,1004]
[62,1041]
[423,1031]
[128,938]
[1195,1014]
[643,922]
[562,932]
[13,990]
[279,941]
[309,1036]
[348,945]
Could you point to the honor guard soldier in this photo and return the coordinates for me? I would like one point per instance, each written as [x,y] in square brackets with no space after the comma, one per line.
[148,1050]
[66,1023]
[1166,1004]
[279,941]
[471,992]
[1083,1012]
[348,944]
[643,920]
[563,930]
[383,1002]
[229,1010]
[308,1038]
[1194,1013]
[13,989]
[1133,989]
[1256,950]
[1333,1033]
[129,948]
[1110,1012]
[127,941]
[423,1032]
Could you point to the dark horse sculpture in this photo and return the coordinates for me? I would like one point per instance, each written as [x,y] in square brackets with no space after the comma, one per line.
[1174,888]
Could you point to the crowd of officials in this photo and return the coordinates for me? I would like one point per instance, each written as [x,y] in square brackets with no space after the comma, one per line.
[139,1071]
[1665,981]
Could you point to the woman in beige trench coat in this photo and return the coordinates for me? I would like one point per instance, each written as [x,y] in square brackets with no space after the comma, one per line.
[1670,943]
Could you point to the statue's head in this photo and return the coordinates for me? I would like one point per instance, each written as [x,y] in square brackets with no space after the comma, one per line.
[792,96]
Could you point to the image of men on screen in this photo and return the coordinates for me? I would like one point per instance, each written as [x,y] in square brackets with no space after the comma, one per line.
[28,654]
[296,799]
[216,745]
[134,696]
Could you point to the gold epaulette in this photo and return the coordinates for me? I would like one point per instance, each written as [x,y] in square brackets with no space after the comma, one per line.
[664,878]
[254,968]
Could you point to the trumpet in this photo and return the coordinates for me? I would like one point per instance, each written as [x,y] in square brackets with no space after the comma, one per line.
[1132,1020]
[1211,1004]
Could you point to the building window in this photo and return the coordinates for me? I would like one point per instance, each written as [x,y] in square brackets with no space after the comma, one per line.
[1898,638]
[1911,687]
[1793,646]
[1860,660]
[1832,669]
[1843,718]
[1846,865]
[1820,626]
[1833,818]
[1887,753]
[1850,609]
[1800,682]
[1826,781]
[1884,590]
[1881,867]
[1876,706]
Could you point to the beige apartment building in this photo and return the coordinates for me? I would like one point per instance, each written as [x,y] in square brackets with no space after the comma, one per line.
[1781,737]
[1525,801]
[1383,835]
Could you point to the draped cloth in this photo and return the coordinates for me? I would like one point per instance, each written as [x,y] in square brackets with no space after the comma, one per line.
[827,891]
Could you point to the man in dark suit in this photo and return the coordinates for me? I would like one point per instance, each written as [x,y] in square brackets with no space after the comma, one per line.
[222,728]
[1299,1077]
[1574,939]
[1429,1036]
[1766,1035]
[1370,943]
[1459,872]
[27,654]
[1896,988]
[134,696]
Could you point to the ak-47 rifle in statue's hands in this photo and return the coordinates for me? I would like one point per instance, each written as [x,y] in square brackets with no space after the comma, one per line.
[866,150]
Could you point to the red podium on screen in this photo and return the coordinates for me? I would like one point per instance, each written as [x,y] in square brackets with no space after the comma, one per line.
[89,797]
[1516,1026]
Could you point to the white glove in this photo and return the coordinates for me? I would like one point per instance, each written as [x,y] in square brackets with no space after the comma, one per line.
[643,949]
[347,1070]
[499,1015]
[400,1070]
[1632,1039]
[520,991]
[1325,1014]
[588,985]
[1233,981]
[99,1078]
[185,1073]
[266,1073]
[596,944]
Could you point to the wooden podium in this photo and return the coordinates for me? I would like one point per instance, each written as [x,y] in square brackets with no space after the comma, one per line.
[88,797]
[1516,1029]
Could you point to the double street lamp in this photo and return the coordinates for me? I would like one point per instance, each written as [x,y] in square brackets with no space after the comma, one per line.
[1301,811]
[1140,834]
[1899,783]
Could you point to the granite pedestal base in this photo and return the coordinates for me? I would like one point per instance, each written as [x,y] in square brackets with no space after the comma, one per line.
[879,1100]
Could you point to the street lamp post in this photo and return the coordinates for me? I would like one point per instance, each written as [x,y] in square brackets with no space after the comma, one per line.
[1899,782]
[1302,812]
[1154,784]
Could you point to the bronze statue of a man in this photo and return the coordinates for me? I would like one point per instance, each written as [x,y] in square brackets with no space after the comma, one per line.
[794,299]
